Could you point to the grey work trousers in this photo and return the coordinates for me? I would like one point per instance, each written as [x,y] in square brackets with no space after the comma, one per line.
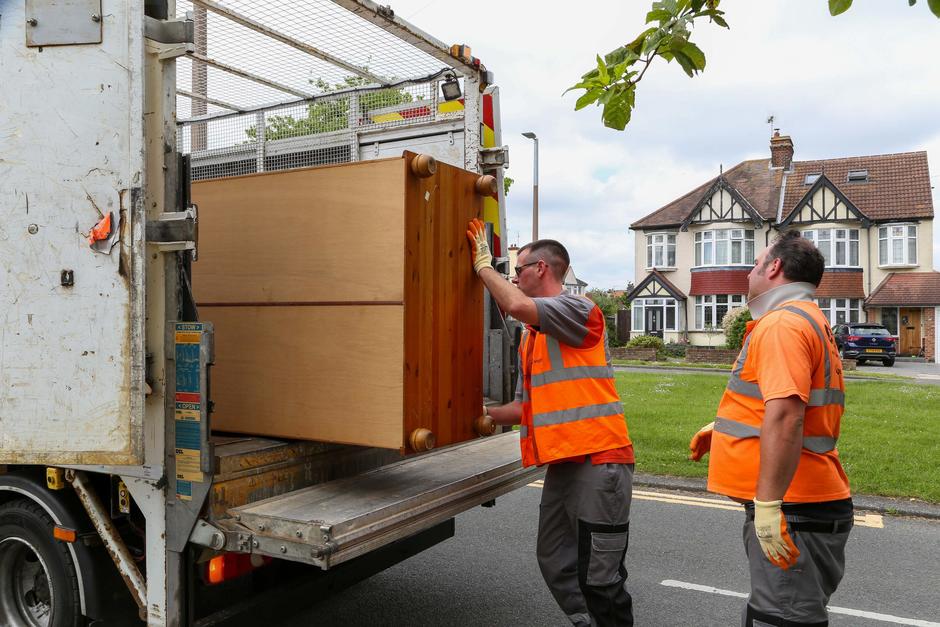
[584,530]
[796,596]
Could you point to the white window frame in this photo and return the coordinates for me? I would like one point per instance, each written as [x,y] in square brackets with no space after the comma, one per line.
[638,313]
[660,247]
[837,245]
[712,244]
[889,236]
[710,302]
[832,307]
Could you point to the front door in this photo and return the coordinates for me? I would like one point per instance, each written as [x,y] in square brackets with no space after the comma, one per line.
[909,330]
[654,321]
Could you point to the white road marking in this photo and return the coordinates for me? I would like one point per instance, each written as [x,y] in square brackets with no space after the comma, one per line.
[887,618]
[874,521]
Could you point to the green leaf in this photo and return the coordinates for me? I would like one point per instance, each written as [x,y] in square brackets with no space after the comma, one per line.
[581,85]
[911,3]
[837,7]
[616,56]
[660,15]
[617,114]
[695,54]
[720,21]
[589,98]
[602,71]
[618,70]
[934,7]
[618,107]
[697,5]
[687,64]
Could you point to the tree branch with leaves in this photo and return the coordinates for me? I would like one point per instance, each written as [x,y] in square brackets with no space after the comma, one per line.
[612,84]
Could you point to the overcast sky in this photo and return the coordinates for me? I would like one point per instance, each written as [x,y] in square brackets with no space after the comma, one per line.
[866,82]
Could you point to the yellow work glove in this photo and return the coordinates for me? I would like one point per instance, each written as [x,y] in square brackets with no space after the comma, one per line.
[771,529]
[479,249]
[701,442]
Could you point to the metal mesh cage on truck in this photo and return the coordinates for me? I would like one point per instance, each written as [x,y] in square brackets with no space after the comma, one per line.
[295,83]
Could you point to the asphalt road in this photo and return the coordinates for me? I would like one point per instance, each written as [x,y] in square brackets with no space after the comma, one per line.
[487,575]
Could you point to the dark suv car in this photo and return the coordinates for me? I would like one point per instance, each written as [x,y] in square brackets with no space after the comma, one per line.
[865,342]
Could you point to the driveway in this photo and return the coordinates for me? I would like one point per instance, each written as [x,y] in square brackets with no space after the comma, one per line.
[918,370]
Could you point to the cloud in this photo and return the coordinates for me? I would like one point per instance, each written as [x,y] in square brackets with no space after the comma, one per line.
[862,83]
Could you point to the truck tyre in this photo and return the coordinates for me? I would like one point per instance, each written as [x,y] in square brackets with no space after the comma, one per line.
[38,585]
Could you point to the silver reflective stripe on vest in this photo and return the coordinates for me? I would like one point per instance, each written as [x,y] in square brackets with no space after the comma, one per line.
[742,356]
[523,431]
[814,443]
[571,374]
[745,388]
[735,429]
[817,396]
[554,353]
[822,337]
[576,413]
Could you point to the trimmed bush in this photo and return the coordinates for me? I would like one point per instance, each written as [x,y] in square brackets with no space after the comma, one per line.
[734,324]
[675,350]
[647,341]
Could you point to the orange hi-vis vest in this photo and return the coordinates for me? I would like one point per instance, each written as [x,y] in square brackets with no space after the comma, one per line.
[570,406]
[735,449]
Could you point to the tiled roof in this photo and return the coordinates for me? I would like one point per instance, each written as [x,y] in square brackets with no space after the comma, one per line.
[898,185]
[841,285]
[719,282]
[753,179]
[907,289]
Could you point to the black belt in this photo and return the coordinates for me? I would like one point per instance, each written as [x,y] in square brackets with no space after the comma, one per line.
[819,526]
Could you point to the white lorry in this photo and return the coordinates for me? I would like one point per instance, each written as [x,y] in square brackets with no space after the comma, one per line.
[108,109]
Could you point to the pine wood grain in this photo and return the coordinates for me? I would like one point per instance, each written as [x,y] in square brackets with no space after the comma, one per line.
[315,234]
[315,373]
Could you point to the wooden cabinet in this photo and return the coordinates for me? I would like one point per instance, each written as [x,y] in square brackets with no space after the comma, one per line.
[344,302]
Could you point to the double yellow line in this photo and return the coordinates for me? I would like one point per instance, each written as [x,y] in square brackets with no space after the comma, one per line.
[861,520]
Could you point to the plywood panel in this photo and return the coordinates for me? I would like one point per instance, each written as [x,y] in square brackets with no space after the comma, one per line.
[314,235]
[443,307]
[331,373]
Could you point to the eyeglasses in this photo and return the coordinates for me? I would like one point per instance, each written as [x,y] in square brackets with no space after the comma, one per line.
[519,269]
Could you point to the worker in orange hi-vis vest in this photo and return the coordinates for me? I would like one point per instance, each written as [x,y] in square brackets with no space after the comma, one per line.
[571,420]
[773,442]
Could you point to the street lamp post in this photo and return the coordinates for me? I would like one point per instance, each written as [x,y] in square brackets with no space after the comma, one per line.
[535,184]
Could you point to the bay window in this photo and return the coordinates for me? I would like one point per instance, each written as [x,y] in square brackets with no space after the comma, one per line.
[661,250]
[839,247]
[711,309]
[897,245]
[724,247]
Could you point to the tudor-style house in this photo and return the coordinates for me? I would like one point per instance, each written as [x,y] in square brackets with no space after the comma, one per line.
[871,217]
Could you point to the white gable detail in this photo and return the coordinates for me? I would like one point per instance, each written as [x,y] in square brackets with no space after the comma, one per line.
[824,203]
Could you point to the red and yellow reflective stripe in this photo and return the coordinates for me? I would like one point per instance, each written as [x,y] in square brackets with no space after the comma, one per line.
[491,203]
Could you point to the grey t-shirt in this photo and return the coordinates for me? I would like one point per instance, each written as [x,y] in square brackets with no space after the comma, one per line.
[567,318]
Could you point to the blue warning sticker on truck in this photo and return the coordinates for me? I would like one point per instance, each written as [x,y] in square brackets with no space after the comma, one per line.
[188,410]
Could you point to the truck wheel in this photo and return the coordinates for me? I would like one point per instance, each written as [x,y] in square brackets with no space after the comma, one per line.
[38,585]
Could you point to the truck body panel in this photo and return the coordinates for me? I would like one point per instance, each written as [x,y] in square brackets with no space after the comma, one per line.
[71,338]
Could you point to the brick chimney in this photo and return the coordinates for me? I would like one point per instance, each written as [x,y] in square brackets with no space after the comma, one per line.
[781,151]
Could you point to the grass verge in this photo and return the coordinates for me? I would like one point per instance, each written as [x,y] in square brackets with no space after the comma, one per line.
[888,444]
